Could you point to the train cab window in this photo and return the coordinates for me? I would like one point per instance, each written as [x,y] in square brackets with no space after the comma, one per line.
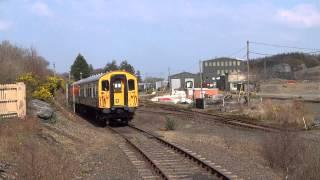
[131,84]
[117,85]
[105,85]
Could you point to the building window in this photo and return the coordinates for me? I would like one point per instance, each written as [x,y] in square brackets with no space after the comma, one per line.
[206,64]
[238,63]
[222,63]
[222,72]
[213,63]
[210,63]
[218,71]
[230,63]
[218,63]
[234,63]
[227,71]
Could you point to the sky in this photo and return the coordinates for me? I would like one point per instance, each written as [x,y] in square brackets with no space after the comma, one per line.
[157,35]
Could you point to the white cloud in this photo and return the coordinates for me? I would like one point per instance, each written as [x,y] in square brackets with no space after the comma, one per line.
[4,25]
[41,9]
[303,15]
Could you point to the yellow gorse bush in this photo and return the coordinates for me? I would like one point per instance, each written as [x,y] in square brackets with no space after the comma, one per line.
[43,93]
[43,90]
[29,79]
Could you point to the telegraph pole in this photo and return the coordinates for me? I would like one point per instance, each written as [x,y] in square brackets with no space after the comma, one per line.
[200,68]
[248,76]
[169,83]
[54,69]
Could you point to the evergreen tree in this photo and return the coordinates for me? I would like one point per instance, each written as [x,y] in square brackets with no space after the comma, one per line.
[91,69]
[111,66]
[80,65]
[124,65]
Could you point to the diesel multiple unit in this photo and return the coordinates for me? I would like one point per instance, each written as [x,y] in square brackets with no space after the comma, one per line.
[112,96]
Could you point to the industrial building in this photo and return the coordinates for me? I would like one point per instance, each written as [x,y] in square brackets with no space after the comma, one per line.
[184,80]
[217,67]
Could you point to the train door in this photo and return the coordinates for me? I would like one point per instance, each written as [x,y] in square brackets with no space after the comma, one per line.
[132,95]
[104,98]
[119,91]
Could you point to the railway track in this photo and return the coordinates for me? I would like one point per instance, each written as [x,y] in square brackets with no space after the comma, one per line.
[208,117]
[168,160]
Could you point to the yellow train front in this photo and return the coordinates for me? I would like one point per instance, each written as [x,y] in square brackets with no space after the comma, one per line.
[112,96]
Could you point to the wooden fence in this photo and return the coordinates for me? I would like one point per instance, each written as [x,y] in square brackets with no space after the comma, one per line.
[12,100]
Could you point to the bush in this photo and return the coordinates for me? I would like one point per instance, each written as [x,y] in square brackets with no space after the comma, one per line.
[43,90]
[170,124]
[291,113]
[31,81]
[292,155]
[43,93]
[53,83]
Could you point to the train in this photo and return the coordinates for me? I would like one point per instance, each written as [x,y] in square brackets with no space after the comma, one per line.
[112,96]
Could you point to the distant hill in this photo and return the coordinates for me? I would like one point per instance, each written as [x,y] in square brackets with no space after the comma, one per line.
[295,60]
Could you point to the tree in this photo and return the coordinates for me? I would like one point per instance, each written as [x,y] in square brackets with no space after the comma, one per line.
[138,74]
[16,61]
[91,69]
[124,65]
[80,65]
[111,66]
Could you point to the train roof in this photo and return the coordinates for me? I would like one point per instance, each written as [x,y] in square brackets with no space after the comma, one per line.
[92,78]
[96,77]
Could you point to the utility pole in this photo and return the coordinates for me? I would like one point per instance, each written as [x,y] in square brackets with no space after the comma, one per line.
[200,69]
[265,68]
[73,100]
[169,83]
[54,69]
[248,69]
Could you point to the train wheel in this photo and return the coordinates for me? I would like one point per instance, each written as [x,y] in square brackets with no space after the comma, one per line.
[124,122]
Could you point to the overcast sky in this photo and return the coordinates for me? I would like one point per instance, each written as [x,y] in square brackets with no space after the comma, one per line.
[156,34]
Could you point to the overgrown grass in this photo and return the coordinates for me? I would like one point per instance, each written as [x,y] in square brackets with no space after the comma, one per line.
[291,155]
[29,155]
[170,124]
[293,114]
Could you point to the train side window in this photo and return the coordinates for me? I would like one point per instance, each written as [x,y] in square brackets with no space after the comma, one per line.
[131,85]
[105,85]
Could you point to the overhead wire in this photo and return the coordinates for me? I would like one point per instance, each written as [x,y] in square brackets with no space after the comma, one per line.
[238,51]
[283,46]
[262,54]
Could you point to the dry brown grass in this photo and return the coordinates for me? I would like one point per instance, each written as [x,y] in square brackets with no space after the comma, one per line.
[288,113]
[29,155]
[292,156]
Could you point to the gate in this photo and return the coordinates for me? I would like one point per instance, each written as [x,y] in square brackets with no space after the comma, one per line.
[12,100]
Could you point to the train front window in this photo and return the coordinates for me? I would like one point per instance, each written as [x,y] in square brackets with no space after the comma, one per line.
[105,85]
[117,85]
